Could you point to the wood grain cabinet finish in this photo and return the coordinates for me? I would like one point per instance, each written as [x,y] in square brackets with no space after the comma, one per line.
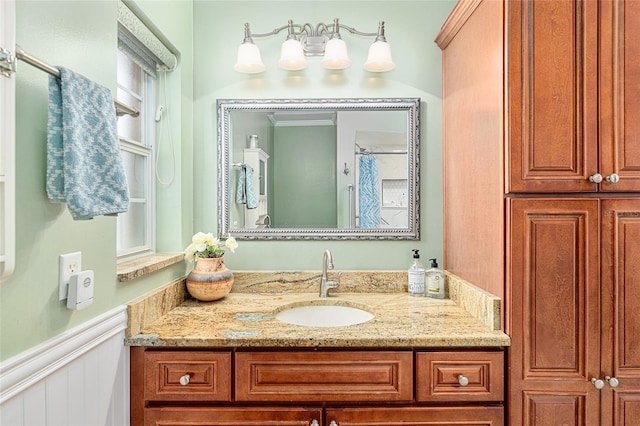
[577,265]
[324,376]
[187,376]
[573,93]
[416,416]
[234,416]
[289,387]
[459,376]
[539,97]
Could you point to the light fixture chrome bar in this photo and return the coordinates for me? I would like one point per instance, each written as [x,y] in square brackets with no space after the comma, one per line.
[121,109]
[315,41]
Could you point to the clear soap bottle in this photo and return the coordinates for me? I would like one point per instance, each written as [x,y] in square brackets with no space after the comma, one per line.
[435,281]
[416,276]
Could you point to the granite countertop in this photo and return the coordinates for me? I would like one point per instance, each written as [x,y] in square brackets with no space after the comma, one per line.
[246,316]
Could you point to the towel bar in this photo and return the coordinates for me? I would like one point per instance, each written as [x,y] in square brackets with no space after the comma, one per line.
[121,109]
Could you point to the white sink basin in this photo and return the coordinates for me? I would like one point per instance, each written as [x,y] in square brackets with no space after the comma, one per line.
[323,315]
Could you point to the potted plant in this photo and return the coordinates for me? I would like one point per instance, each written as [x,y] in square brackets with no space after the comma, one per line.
[210,279]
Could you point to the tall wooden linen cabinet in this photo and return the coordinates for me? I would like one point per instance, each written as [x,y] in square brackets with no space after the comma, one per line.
[542,195]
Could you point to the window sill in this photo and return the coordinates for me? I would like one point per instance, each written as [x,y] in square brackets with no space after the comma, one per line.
[137,268]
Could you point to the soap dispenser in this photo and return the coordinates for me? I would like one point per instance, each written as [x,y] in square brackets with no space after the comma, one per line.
[435,281]
[416,276]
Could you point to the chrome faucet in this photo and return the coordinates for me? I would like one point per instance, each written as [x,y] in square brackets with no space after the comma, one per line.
[325,284]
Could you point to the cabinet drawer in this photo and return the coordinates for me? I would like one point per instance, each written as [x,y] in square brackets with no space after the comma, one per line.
[427,416]
[235,416]
[324,376]
[438,376]
[209,376]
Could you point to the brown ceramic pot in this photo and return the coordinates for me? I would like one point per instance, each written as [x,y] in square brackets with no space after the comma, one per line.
[210,279]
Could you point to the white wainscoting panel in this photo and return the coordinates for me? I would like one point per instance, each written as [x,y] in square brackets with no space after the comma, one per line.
[78,378]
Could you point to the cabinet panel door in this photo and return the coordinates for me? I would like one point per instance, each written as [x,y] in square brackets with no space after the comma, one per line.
[552,95]
[324,376]
[238,416]
[554,311]
[620,301]
[417,416]
[438,376]
[619,94]
[187,375]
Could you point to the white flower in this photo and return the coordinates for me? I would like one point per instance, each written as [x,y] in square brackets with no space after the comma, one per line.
[206,245]
[231,244]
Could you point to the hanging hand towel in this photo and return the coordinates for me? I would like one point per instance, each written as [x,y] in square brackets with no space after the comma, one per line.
[368,192]
[84,166]
[246,193]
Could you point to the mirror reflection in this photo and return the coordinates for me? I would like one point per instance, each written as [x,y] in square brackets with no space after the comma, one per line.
[318,169]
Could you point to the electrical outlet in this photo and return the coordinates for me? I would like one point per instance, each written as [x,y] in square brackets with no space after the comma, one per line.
[69,264]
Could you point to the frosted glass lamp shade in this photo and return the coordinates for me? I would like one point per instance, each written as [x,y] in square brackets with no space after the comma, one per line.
[249,60]
[379,59]
[292,56]
[335,55]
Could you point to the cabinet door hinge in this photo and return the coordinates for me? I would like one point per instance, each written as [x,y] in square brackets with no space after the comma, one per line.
[7,62]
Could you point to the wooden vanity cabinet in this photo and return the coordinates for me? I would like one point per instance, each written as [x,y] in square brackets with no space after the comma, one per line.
[233,416]
[189,386]
[432,416]
[539,97]
[572,87]
[577,265]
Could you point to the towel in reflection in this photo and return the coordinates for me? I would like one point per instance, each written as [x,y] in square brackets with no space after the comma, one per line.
[84,165]
[368,192]
[246,193]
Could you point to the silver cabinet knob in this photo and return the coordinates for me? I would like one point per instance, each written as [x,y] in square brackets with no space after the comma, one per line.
[612,178]
[184,380]
[597,178]
[314,423]
[333,423]
[613,382]
[463,380]
[599,384]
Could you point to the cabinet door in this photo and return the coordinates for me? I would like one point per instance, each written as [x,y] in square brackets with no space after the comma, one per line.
[553,311]
[460,376]
[417,416]
[229,416]
[183,375]
[621,315]
[619,94]
[324,376]
[552,95]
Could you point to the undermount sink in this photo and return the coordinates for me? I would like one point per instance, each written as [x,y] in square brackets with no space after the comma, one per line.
[323,315]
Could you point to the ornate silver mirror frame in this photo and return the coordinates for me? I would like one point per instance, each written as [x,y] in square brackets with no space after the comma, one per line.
[227,110]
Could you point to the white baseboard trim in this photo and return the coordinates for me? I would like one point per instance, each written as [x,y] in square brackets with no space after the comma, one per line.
[24,370]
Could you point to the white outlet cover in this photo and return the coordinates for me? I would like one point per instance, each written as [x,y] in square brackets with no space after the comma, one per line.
[70,263]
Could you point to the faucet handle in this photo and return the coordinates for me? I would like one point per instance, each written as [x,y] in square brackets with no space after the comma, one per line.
[333,284]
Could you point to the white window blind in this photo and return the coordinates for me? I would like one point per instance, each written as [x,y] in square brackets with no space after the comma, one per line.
[141,44]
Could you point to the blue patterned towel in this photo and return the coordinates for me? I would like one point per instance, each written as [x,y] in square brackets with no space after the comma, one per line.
[368,192]
[246,193]
[84,166]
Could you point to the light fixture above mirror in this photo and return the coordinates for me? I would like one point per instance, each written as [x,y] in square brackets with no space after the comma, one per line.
[322,40]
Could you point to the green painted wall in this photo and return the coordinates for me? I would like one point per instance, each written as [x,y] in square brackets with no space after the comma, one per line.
[411,27]
[82,35]
[304,177]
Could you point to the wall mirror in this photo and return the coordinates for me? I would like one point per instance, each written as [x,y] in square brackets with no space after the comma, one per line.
[319,168]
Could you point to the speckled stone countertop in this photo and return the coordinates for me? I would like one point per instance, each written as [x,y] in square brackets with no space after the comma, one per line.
[246,316]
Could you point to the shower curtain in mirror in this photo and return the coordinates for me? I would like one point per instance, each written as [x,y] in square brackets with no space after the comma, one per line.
[368,192]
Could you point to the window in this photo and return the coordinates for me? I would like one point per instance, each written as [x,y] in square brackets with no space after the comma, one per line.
[136,88]
[7,145]
[141,57]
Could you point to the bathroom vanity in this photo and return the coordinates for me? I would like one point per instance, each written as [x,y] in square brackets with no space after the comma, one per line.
[233,362]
